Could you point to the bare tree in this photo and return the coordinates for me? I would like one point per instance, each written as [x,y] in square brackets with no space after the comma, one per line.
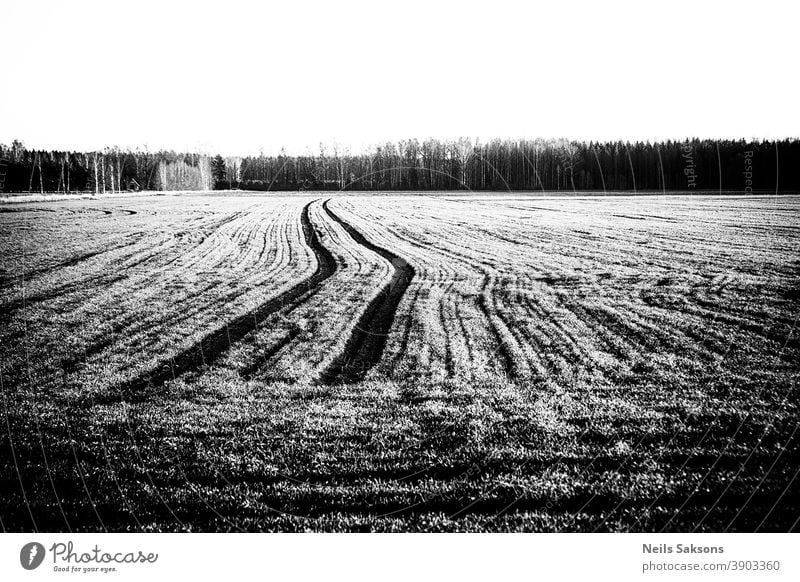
[96,179]
[462,150]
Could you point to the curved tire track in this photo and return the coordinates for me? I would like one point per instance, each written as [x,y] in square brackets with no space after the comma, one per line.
[367,341]
[217,342]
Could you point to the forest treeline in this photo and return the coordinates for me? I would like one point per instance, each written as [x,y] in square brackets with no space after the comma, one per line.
[431,164]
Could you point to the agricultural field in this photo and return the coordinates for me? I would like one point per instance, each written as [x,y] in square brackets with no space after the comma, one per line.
[450,362]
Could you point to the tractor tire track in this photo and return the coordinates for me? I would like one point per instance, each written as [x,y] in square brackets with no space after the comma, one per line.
[406,335]
[367,341]
[217,342]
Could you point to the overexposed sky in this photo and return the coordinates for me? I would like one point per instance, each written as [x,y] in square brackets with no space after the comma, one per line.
[238,77]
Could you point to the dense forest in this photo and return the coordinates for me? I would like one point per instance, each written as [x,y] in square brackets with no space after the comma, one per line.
[420,165]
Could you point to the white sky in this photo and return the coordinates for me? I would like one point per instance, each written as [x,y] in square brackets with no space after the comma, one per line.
[237,77]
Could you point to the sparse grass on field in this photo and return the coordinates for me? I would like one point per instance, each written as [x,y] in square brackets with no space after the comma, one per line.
[554,365]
